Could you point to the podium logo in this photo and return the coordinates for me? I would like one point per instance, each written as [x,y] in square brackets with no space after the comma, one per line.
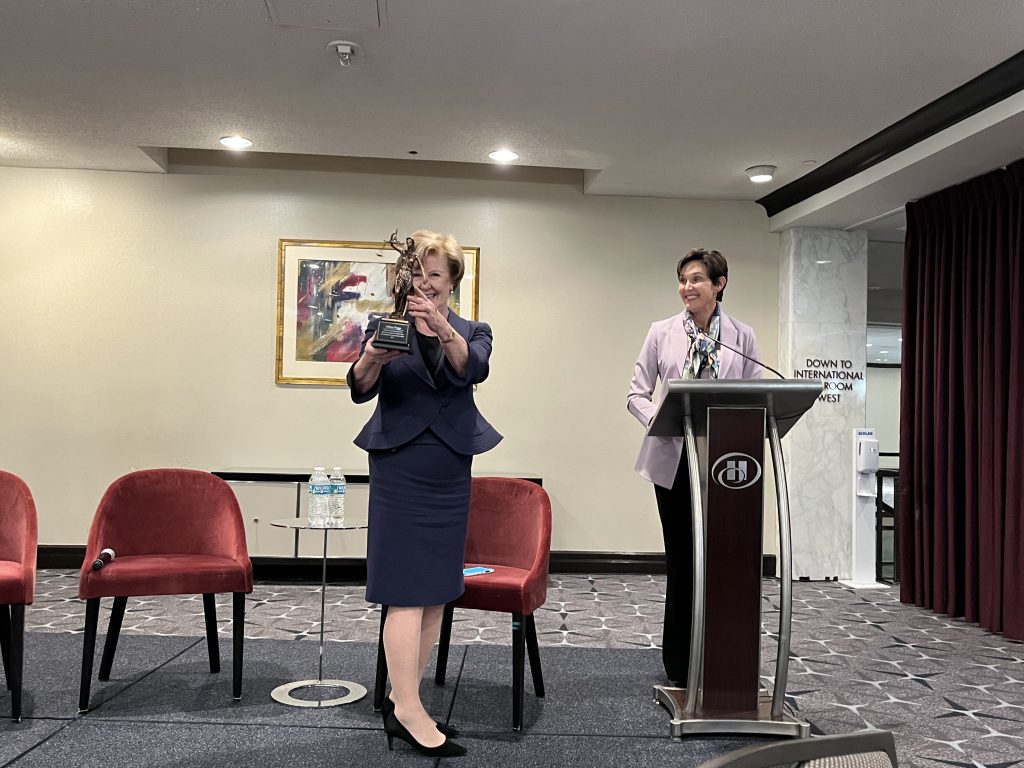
[736,470]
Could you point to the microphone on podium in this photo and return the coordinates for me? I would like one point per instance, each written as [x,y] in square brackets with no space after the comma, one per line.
[738,352]
[105,557]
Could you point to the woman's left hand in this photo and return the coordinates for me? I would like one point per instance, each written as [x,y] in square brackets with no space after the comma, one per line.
[422,308]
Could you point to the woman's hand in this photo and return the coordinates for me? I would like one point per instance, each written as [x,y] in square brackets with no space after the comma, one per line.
[380,357]
[423,309]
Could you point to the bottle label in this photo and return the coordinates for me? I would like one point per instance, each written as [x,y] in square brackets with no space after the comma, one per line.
[319,489]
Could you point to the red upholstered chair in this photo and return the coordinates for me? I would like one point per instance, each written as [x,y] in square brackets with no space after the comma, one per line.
[173,532]
[509,531]
[18,540]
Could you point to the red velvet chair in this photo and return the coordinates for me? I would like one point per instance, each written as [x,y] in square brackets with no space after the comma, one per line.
[173,532]
[509,531]
[18,540]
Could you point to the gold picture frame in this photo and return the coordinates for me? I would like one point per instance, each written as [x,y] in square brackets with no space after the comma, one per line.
[326,291]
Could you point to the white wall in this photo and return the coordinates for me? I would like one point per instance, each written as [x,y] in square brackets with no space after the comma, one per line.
[883,409]
[138,324]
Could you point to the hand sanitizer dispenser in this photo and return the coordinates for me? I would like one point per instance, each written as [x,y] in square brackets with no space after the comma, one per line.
[867,455]
[864,466]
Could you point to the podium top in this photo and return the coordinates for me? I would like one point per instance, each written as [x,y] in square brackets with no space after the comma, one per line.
[787,400]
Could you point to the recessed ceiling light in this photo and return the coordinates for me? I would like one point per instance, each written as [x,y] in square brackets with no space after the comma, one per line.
[759,174]
[503,156]
[236,142]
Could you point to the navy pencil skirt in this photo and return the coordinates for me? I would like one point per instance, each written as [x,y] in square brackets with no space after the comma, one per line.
[419,509]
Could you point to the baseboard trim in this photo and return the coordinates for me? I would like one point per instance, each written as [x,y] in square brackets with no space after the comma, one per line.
[353,569]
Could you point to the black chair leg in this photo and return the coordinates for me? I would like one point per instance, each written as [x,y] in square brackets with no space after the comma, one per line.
[5,641]
[381,680]
[443,642]
[92,617]
[113,632]
[212,643]
[17,659]
[534,651]
[518,657]
[237,642]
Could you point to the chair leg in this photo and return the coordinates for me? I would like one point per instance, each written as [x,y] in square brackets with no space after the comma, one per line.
[237,641]
[534,651]
[113,632]
[443,642]
[518,654]
[17,659]
[5,641]
[381,680]
[212,643]
[92,617]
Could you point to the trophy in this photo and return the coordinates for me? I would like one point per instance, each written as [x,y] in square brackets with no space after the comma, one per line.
[393,330]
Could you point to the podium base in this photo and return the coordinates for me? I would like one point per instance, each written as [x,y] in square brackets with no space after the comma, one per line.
[757,723]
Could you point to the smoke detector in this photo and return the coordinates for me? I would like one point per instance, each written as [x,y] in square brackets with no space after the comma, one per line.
[345,49]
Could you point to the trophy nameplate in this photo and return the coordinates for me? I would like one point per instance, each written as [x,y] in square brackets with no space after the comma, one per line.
[393,333]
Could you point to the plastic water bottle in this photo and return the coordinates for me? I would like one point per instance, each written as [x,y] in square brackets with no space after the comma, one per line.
[337,506]
[319,498]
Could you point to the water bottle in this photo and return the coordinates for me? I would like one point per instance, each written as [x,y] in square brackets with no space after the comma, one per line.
[338,487]
[319,495]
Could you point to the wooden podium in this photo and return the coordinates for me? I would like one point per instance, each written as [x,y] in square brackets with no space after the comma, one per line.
[724,424]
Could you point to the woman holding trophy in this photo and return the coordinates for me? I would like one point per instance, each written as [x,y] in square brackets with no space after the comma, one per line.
[421,440]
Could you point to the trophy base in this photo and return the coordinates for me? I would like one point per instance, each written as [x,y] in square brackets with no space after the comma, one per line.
[393,333]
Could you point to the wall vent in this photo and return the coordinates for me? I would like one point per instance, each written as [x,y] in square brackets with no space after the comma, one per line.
[329,14]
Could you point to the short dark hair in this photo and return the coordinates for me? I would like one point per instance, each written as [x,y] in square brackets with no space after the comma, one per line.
[714,261]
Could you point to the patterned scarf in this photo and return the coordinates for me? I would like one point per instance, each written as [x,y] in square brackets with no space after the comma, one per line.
[703,351]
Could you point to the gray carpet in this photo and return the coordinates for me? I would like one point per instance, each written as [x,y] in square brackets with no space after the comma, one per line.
[952,693]
[162,707]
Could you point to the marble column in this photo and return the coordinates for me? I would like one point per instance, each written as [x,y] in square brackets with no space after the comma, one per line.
[822,335]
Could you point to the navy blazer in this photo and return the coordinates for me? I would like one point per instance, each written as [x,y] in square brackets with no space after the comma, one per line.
[408,402]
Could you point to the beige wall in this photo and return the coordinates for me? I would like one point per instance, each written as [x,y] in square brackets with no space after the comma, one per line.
[138,317]
[883,408]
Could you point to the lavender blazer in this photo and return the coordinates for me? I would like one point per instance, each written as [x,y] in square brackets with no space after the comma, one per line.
[662,357]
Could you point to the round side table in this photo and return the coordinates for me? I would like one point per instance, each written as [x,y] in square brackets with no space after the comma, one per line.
[283,693]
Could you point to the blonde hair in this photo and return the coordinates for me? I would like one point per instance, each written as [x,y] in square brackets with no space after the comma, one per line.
[430,243]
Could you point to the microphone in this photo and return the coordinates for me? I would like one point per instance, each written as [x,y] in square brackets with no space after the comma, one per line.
[747,357]
[105,557]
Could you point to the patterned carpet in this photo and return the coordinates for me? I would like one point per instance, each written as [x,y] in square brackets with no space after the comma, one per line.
[952,693]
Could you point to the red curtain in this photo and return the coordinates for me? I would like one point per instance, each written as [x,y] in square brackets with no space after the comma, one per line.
[961,511]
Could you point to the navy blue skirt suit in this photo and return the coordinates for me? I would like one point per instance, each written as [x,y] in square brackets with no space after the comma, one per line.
[421,440]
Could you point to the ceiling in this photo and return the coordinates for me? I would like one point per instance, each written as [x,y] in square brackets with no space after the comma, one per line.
[666,98]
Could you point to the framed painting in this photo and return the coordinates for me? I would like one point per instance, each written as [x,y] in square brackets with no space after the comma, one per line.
[326,292]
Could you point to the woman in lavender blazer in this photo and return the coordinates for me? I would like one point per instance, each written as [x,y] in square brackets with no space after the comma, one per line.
[674,349]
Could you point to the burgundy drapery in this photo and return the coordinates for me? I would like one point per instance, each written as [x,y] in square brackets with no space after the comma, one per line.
[961,512]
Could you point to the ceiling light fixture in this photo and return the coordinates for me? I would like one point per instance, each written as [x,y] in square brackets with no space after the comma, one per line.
[503,156]
[237,143]
[345,49]
[759,174]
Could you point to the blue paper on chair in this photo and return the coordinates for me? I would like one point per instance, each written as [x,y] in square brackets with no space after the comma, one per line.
[476,570]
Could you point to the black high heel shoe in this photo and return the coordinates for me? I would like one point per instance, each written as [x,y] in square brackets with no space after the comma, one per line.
[393,729]
[388,706]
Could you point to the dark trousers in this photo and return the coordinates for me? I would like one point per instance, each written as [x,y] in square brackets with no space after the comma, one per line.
[677,526]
